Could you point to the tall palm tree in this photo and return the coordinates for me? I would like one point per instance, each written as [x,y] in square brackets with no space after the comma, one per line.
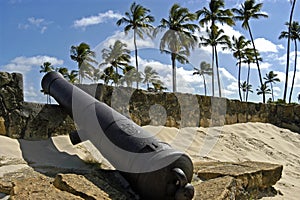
[250,10]
[150,76]
[204,69]
[295,36]
[215,37]
[239,47]
[178,38]
[46,67]
[117,56]
[139,21]
[249,57]
[214,13]
[293,2]
[246,88]
[263,89]
[85,57]
[271,78]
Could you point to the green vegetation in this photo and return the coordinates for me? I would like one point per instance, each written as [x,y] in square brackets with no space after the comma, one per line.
[177,41]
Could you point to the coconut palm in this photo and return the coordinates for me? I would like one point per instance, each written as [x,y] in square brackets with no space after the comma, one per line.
[246,88]
[178,38]
[63,71]
[293,2]
[150,76]
[239,47]
[46,67]
[138,20]
[214,13]
[249,57]
[158,86]
[215,37]
[295,36]
[299,97]
[130,76]
[204,69]
[250,10]
[117,57]
[263,89]
[72,77]
[271,79]
[85,57]
[97,75]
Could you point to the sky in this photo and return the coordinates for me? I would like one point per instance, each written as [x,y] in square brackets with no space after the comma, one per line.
[35,31]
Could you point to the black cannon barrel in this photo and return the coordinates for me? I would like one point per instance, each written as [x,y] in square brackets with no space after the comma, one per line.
[153,168]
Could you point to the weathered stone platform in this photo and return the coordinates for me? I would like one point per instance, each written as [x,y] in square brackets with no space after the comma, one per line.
[213,180]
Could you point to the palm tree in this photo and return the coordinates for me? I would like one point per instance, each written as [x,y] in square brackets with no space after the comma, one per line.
[293,2]
[46,67]
[178,39]
[271,78]
[158,86]
[246,88]
[247,11]
[137,20]
[97,75]
[72,77]
[84,56]
[215,14]
[214,38]
[117,57]
[204,69]
[263,89]
[63,71]
[299,97]
[238,47]
[249,57]
[295,36]
[150,76]
[131,75]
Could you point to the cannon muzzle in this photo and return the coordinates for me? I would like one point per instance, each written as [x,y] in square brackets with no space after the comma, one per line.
[153,168]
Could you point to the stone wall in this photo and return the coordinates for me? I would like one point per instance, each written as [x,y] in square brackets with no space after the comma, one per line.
[19,119]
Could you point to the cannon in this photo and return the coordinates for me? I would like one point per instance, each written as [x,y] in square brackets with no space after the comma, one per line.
[152,168]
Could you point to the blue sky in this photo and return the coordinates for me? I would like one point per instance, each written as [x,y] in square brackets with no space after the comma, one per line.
[35,31]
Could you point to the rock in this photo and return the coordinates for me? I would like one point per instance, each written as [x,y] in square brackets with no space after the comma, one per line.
[39,187]
[251,174]
[222,188]
[251,179]
[79,186]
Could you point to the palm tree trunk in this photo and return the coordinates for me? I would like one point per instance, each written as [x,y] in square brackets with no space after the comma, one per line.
[239,79]
[204,82]
[213,73]
[272,91]
[248,80]
[288,52]
[257,63]
[173,58]
[218,74]
[136,57]
[295,70]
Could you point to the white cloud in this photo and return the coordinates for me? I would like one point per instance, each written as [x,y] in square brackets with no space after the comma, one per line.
[35,23]
[264,45]
[98,19]
[24,64]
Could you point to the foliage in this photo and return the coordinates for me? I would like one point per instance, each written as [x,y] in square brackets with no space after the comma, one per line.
[85,58]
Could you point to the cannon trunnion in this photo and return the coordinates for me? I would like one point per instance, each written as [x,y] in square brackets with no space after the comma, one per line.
[153,168]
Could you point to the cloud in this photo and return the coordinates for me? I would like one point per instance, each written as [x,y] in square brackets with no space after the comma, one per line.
[35,23]
[264,45]
[98,19]
[24,64]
